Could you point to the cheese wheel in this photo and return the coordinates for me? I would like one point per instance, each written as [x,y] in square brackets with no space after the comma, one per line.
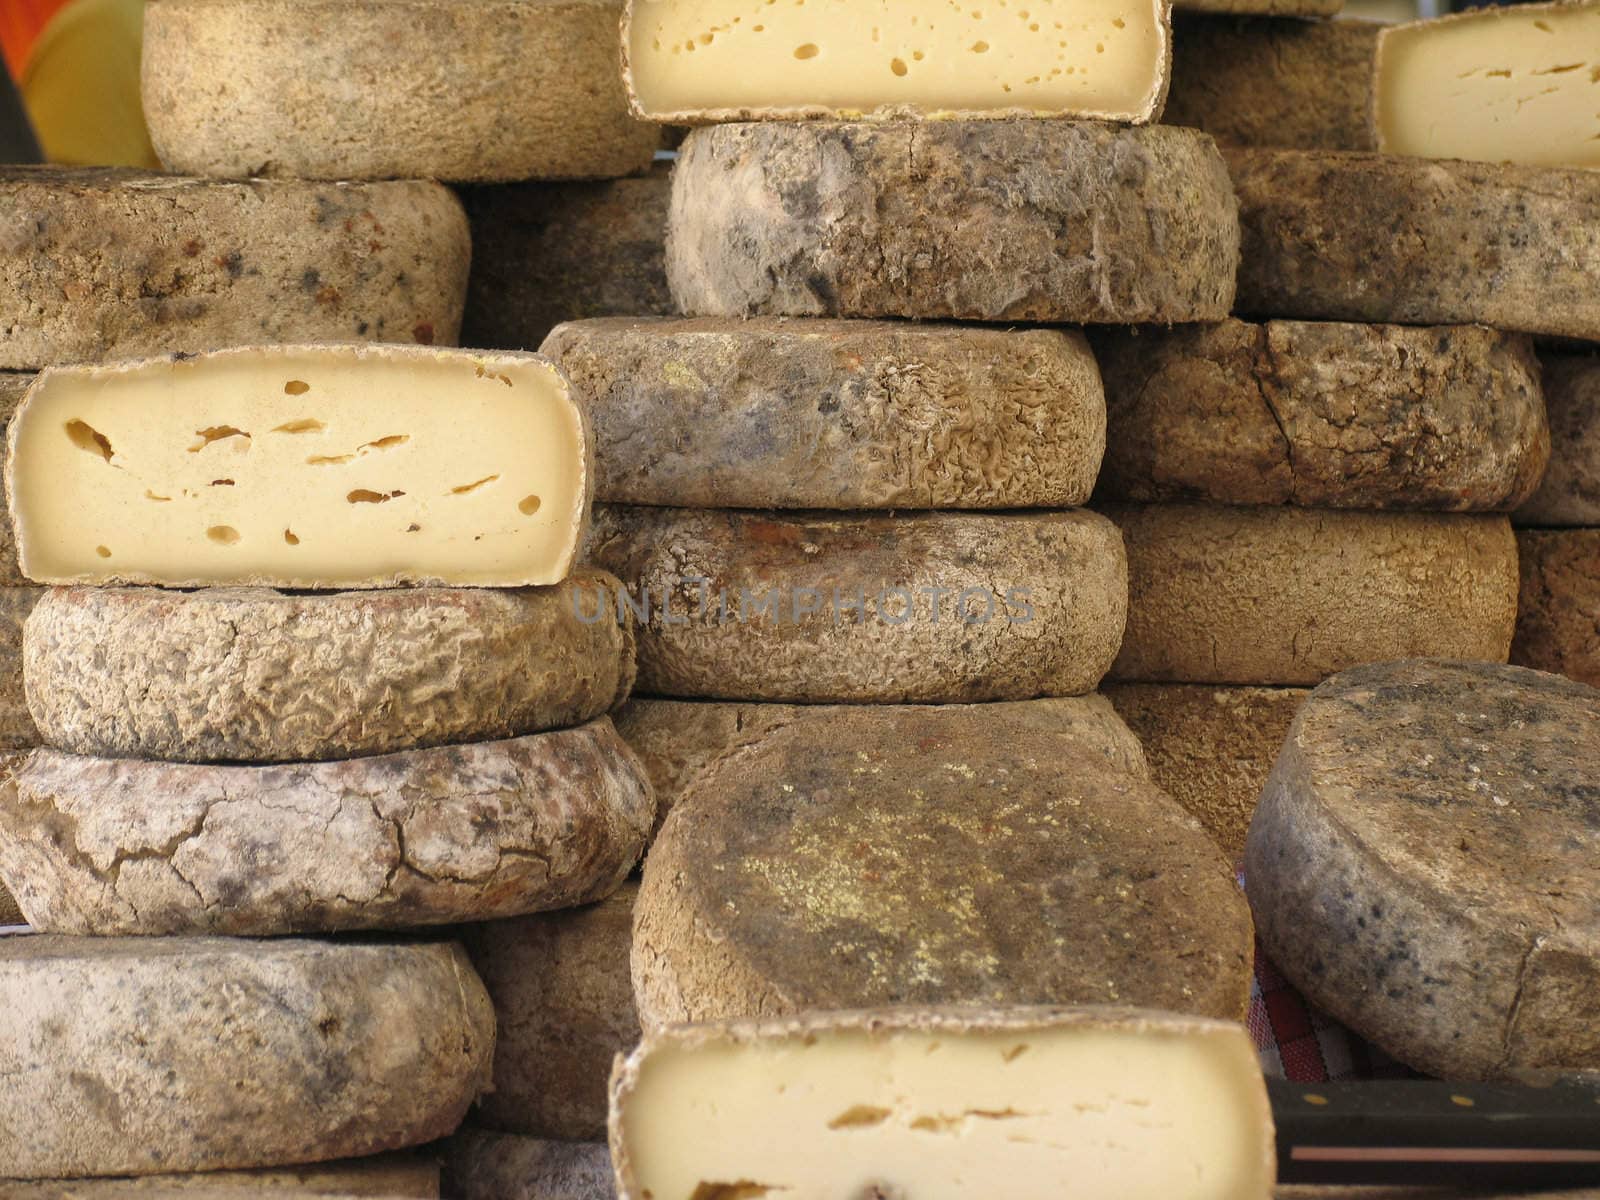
[381,1177]
[1570,492]
[501,1166]
[1558,615]
[13,386]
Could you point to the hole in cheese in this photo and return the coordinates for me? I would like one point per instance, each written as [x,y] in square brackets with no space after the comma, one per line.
[465,488]
[288,536]
[216,433]
[103,551]
[809,50]
[385,443]
[303,425]
[222,483]
[296,387]
[86,437]
[528,505]
[223,535]
[365,496]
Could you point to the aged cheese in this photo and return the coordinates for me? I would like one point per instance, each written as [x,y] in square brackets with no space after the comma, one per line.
[425,837]
[689,61]
[1570,492]
[1494,85]
[370,89]
[257,675]
[942,1104]
[1291,595]
[17,729]
[1323,414]
[98,265]
[889,859]
[1423,865]
[1060,222]
[145,1055]
[13,386]
[381,1177]
[820,607]
[503,1166]
[773,413]
[1558,615]
[301,466]
[1274,8]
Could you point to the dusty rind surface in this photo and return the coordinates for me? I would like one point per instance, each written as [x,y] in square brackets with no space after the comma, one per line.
[1210,748]
[1323,414]
[819,608]
[13,385]
[563,1000]
[1373,237]
[457,833]
[514,89]
[553,252]
[144,1056]
[258,675]
[773,413]
[1266,81]
[680,742]
[17,729]
[99,264]
[1558,614]
[827,868]
[389,1176]
[1570,493]
[1292,595]
[499,1166]
[1422,865]
[1060,222]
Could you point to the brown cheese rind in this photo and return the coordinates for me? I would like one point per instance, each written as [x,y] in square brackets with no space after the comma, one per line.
[381,1177]
[1570,492]
[1274,8]
[1558,615]
[500,1166]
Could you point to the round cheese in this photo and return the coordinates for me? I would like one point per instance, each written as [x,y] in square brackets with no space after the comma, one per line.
[1558,615]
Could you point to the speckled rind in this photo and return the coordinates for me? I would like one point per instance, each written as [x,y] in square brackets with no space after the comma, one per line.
[142,1056]
[1291,595]
[1422,865]
[1373,237]
[98,264]
[827,867]
[1558,615]
[1046,610]
[514,89]
[256,675]
[1570,492]
[1059,222]
[381,1177]
[502,1166]
[115,847]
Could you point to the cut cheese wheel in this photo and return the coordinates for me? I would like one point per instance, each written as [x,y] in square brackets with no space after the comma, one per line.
[1210,748]
[1374,237]
[928,1102]
[1251,81]
[1494,85]
[255,675]
[680,742]
[514,89]
[691,61]
[545,253]
[817,607]
[563,1002]
[1423,865]
[1290,596]
[1059,222]
[301,466]
[1570,492]
[1558,616]
[380,1177]
[426,837]
[501,1166]
[141,1055]
[1323,414]
[772,413]
[106,264]
[894,860]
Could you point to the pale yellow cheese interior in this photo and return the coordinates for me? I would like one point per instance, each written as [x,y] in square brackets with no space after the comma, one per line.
[1502,85]
[1038,1115]
[698,59]
[301,467]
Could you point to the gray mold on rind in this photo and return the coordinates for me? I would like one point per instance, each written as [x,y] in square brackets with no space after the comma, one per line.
[500,1166]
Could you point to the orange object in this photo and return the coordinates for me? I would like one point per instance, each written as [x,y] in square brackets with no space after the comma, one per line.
[21,23]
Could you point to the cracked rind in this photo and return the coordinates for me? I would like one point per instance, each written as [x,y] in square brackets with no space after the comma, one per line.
[102,264]
[1046,609]
[1570,493]
[257,675]
[1265,81]
[1558,615]
[140,1056]
[772,413]
[1422,865]
[1323,414]
[386,1176]
[563,1000]
[514,89]
[1060,222]
[1374,237]
[827,867]
[114,847]
[1283,595]
[1210,748]
[552,252]
[499,1166]
[681,741]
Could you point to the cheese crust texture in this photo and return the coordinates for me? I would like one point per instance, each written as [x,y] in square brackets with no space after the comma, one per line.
[1558,615]
[935,1103]
[1569,493]
[307,467]
[690,61]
